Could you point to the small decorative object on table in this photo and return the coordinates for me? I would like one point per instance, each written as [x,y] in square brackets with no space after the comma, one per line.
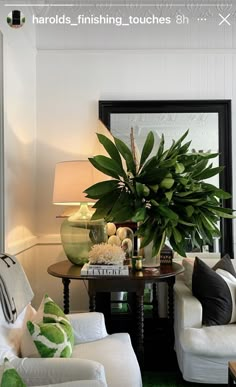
[121,236]
[166,255]
[137,262]
[105,259]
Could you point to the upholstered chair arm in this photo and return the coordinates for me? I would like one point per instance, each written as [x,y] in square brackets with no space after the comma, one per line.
[88,326]
[188,310]
[43,371]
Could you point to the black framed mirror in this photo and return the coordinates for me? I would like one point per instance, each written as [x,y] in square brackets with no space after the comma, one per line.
[211,118]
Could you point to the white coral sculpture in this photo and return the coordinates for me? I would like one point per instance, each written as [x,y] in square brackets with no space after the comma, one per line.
[106,254]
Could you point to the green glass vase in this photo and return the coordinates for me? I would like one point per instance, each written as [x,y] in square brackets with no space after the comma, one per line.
[79,236]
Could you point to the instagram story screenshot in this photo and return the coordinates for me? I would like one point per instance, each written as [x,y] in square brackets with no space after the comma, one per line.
[117,192]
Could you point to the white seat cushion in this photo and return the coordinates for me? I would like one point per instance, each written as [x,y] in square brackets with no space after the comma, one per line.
[111,352]
[205,341]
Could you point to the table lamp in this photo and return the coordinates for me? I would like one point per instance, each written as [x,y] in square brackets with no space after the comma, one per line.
[78,231]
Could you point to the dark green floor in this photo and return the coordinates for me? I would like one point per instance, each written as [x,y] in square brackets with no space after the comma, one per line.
[169,379]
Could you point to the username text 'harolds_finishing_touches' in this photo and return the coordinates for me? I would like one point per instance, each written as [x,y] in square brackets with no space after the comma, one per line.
[101,19]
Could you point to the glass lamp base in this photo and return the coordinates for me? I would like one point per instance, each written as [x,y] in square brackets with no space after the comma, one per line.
[79,236]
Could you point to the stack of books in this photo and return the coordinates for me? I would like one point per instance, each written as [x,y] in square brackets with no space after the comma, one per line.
[89,269]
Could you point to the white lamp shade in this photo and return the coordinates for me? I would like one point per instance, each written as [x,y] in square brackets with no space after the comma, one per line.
[71,179]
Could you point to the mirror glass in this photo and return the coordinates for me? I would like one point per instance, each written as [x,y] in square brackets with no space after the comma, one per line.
[209,124]
[203,131]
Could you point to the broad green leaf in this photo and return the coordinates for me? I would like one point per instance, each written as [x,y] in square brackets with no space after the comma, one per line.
[189,210]
[178,247]
[183,149]
[221,194]
[111,165]
[199,167]
[165,211]
[177,235]
[121,214]
[181,139]
[186,223]
[147,148]
[105,170]
[107,200]
[207,223]
[209,172]
[202,231]
[98,190]
[200,202]
[127,154]
[100,213]
[122,209]
[209,155]
[184,194]
[176,146]
[110,148]
[222,212]
[186,200]
[161,147]
[139,215]
[146,236]
[168,163]
[218,192]
[158,242]
[153,176]
[150,163]
[195,239]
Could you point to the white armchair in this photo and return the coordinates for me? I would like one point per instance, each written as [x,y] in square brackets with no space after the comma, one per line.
[203,352]
[98,359]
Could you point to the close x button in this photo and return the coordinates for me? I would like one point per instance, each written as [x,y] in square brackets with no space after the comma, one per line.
[224,19]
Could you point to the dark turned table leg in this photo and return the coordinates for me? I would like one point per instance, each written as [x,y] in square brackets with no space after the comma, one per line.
[171,282]
[92,302]
[140,329]
[66,283]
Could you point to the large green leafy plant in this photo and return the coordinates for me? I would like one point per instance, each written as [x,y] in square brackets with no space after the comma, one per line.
[167,194]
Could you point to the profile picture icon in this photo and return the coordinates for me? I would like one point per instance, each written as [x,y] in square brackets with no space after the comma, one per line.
[16,19]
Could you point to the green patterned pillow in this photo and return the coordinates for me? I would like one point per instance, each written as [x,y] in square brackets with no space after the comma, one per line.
[9,377]
[52,332]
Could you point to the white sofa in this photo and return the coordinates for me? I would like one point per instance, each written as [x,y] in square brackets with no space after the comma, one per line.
[98,359]
[203,352]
